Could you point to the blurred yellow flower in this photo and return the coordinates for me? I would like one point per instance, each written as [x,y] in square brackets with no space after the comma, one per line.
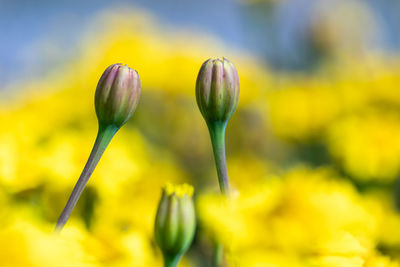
[307,217]
[368,145]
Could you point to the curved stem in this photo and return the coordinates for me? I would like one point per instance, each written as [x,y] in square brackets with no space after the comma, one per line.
[171,261]
[104,136]
[217,134]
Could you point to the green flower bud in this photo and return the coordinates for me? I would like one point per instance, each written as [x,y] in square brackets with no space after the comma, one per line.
[175,222]
[217,90]
[117,95]
[217,95]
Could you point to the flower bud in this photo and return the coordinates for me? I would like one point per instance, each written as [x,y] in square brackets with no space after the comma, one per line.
[217,90]
[117,95]
[175,222]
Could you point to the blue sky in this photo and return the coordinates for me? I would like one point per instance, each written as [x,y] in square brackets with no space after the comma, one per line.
[23,24]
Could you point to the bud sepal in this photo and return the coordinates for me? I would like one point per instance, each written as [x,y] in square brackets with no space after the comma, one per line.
[117,95]
[217,90]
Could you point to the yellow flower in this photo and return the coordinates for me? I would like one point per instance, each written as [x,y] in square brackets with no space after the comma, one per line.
[311,217]
[368,146]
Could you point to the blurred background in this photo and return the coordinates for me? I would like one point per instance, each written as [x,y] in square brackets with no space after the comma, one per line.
[313,149]
[282,33]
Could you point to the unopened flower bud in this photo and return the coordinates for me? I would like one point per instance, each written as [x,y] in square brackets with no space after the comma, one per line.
[117,95]
[217,90]
[175,222]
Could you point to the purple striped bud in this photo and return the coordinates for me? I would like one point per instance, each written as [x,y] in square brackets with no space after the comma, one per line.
[117,95]
[217,90]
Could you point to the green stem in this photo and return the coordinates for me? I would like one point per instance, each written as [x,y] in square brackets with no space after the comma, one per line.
[217,134]
[170,261]
[104,136]
[217,257]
